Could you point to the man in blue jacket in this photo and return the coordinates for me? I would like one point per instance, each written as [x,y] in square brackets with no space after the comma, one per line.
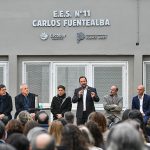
[141,102]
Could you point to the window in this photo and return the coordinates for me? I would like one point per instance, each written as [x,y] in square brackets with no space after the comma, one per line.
[44,77]
[101,75]
[4,73]
[106,74]
[37,76]
[146,76]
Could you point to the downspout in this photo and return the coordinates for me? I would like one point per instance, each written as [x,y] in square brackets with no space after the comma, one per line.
[138,23]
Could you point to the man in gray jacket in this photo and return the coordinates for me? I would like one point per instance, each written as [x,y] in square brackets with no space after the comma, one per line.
[113,106]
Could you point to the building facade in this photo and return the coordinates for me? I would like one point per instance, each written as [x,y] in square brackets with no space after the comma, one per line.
[53,42]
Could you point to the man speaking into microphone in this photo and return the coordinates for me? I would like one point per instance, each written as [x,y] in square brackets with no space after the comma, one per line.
[84,96]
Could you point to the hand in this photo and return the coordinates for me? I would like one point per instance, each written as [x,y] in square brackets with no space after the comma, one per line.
[93,94]
[59,116]
[80,93]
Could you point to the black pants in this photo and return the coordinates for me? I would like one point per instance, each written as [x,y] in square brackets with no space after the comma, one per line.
[82,120]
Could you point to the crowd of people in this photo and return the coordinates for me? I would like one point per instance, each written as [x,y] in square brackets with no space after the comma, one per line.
[113,129]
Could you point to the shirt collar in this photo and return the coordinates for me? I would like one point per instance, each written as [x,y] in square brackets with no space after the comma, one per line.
[140,97]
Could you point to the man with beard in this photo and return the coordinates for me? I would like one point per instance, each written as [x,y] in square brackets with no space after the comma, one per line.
[5,104]
[84,96]
[60,103]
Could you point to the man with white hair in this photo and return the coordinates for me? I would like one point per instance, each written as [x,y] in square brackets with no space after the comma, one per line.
[25,100]
[40,139]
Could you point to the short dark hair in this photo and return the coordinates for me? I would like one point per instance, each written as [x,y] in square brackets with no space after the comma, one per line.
[69,116]
[19,141]
[82,77]
[117,88]
[61,86]
[2,86]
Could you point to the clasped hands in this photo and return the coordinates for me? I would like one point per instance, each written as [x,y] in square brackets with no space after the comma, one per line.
[82,91]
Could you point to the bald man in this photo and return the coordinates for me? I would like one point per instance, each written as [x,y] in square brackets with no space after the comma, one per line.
[43,141]
[113,104]
[141,102]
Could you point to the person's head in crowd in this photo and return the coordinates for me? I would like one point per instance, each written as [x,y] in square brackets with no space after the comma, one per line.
[60,90]
[69,117]
[35,132]
[125,114]
[137,116]
[55,129]
[87,135]
[140,90]
[72,138]
[2,90]
[124,136]
[42,117]
[6,147]
[134,123]
[5,120]
[14,126]
[100,119]
[19,141]
[24,89]
[43,141]
[62,120]
[2,131]
[96,133]
[30,125]
[24,117]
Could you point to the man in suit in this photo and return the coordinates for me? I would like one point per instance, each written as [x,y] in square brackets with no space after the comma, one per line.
[142,102]
[113,104]
[60,103]
[25,101]
[84,96]
[5,104]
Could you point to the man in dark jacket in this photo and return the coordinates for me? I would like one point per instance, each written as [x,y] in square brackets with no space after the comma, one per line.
[85,97]
[5,104]
[141,102]
[60,103]
[25,101]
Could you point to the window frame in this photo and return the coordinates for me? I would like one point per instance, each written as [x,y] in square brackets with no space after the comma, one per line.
[5,66]
[89,67]
[24,79]
[90,76]
[144,73]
